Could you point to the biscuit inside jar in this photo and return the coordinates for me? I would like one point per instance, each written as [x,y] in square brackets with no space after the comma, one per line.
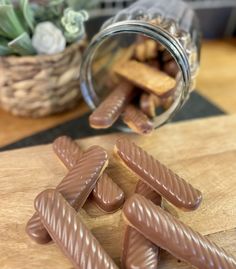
[144,63]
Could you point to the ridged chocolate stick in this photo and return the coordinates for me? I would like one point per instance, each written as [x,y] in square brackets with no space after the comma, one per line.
[67,150]
[146,77]
[171,68]
[137,120]
[111,108]
[161,179]
[144,190]
[70,233]
[147,105]
[75,187]
[107,194]
[174,236]
[138,251]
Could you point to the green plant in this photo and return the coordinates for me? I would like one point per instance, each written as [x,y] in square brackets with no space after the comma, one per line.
[73,23]
[10,25]
[4,49]
[18,22]
[27,14]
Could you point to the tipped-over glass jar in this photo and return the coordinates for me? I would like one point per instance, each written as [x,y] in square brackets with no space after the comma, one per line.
[171,24]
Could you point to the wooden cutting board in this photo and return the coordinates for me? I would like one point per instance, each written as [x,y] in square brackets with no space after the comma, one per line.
[202,151]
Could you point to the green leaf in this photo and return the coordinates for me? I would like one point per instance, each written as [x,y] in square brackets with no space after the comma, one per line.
[2,33]
[38,10]
[56,7]
[21,18]
[28,14]
[4,49]
[22,45]
[10,25]
[50,12]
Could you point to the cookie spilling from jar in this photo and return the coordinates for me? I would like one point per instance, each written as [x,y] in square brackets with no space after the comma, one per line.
[149,227]
[142,84]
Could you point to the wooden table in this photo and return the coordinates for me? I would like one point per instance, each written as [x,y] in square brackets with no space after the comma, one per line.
[201,151]
[217,82]
[217,78]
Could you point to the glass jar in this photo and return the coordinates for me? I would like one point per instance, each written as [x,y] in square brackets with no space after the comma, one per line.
[171,23]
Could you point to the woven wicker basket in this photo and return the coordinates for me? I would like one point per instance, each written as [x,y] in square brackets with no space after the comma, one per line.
[41,85]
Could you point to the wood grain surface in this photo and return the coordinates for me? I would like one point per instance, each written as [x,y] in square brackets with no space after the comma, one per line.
[202,151]
[216,81]
[14,128]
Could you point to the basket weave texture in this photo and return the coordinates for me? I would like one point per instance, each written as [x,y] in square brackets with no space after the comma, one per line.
[41,85]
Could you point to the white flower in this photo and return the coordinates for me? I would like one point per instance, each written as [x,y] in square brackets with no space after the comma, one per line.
[48,39]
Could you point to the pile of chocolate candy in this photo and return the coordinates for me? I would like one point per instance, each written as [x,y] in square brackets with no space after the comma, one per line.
[147,73]
[149,226]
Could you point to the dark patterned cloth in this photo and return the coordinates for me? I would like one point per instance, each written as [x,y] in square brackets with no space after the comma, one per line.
[196,107]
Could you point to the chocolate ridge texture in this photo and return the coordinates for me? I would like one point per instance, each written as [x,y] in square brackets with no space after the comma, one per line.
[137,120]
[67,150]
[138,251]
[111,108]
[107,194]
[75,187]
[147,105]
[144,190]
[160,178]
[70,233]
[171,234]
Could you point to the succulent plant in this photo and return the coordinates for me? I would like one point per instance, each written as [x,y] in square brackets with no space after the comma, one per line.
[22,45]
[16,26]
[10,25]
[21,25]
[48,39]
[73,23]
[4,49]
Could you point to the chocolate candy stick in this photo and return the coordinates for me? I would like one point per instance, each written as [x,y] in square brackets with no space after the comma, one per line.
[144,190]
[174,236]
[161,179]
[107,194]
[70,233]
[157,100]
[138,251]
[166,56]
[111,108]
[171,68]
[75,187]
[147,78]
[137,120]
[167,102]
[67,151]
[148,104]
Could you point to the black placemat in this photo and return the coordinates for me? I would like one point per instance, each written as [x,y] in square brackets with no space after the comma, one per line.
[196,107]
